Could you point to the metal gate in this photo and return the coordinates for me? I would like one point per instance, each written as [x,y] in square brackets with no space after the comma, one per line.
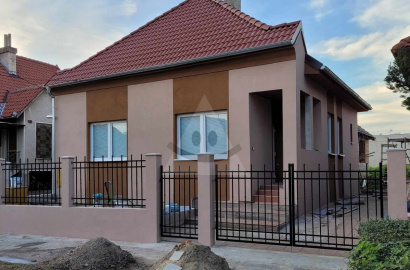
[306,208]
[179,204]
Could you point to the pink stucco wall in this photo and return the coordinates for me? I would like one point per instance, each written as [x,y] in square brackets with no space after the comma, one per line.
[88,223]
[151,119]
[242,82]
[71,125]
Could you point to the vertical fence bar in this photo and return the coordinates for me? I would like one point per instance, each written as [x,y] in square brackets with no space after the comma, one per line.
[381,190]
[291,205]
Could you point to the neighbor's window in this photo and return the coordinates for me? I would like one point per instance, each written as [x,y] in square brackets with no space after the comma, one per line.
[43,140]
[203,133]
[109,140]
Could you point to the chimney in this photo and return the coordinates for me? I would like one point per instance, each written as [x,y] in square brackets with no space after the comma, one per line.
[235,3]
[8,55]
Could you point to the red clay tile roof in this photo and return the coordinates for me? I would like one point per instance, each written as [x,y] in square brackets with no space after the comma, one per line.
[18,100]
[404,43]
[191,30]
[31,74]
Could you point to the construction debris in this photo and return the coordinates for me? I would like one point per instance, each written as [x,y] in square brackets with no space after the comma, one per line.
[191,256]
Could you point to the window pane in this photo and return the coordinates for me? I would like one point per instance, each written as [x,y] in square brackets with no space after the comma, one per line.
[119,139]
[216,133]
[190,135]
[100,140]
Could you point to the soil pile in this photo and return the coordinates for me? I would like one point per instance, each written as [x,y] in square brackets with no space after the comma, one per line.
[97,254]
[194,257]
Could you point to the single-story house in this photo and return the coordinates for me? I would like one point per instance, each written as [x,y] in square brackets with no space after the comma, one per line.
[25,129]
[206,77]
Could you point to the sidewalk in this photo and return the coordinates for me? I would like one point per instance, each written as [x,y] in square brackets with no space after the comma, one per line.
[38,248]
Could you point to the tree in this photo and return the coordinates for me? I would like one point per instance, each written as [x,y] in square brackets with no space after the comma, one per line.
[398,76]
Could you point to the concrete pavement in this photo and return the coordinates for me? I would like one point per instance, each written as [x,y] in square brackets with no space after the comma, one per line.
[38,248]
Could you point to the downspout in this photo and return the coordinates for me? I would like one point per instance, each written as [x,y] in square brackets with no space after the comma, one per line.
[53,139]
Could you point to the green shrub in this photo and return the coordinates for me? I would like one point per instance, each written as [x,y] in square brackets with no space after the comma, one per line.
[382,245]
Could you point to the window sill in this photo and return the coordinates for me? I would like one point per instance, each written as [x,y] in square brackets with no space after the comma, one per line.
[196,159]
[341,155]
[332,154]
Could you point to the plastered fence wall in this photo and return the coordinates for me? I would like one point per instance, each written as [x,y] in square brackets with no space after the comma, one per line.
[120,224]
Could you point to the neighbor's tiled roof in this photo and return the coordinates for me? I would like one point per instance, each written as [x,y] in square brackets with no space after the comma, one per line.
[18,100]
[31,74]
[404,43]
[192,30]
[365,133]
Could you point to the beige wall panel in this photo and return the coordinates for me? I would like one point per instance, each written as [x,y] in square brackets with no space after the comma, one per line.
[71,125]
[150,119]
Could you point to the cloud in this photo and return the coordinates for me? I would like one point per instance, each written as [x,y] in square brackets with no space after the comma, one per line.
[318,3]
[375,45]
[66,32]
[129,7]
[320,8]
[384,12]
[387,113]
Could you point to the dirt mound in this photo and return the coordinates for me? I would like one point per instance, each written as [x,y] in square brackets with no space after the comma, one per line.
[191,256]
[95,254]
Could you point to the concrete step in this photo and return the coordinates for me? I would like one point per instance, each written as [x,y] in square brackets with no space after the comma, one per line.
[268,192]
[265,199]
[251,225]
[271,187]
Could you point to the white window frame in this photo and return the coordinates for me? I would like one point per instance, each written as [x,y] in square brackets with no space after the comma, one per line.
[339,138]
[202,128]
[109,142]
[329,133]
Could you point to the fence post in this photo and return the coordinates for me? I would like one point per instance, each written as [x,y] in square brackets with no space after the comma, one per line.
[396,184]
[2,180]
[67,189]
[206,212]
[153,193]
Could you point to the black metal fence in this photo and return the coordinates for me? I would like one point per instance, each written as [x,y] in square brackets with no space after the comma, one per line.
[116,184]
[330,205]
[179,203]
[307,208]
[250,206]
[32,183]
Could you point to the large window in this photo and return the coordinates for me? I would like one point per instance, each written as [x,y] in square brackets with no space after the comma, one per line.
[203,133]
[339,137]
[109,141]
[306,120]
[330,133]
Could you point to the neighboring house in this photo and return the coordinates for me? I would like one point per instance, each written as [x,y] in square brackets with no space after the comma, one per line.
[205,77]
[404,44]
[25,129]
[364,138]
[378,147]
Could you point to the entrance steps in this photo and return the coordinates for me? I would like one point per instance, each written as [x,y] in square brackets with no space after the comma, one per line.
[268,194]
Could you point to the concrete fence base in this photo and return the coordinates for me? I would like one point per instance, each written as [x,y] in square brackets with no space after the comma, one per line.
[118,224]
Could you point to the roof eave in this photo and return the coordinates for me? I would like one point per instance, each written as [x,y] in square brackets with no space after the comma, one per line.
[316,64]
[339,81]
[185,62]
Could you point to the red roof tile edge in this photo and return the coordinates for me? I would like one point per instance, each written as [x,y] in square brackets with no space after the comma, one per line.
[237,12]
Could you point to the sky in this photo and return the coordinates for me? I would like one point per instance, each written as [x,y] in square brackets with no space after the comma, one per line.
[351,37]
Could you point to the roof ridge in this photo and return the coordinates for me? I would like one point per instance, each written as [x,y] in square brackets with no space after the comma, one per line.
[125,37]
[38,61]
[251,19]
[26,88]
[242,15]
